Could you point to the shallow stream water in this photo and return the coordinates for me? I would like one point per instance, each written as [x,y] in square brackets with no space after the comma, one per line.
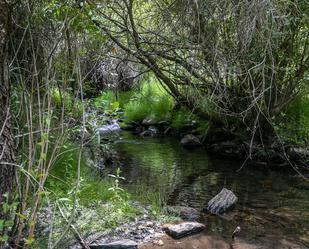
[272,208]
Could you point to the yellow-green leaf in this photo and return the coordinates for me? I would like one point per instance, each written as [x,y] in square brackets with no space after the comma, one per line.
[21,216]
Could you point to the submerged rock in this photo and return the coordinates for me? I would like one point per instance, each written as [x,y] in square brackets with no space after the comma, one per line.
[186,213]
[120,244]
[190,141]
[183,229]
[151,132]
[222,202]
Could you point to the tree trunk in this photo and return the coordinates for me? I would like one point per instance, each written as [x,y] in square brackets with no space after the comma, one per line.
[7,171]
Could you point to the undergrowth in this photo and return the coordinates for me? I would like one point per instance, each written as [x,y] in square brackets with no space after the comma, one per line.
[293,124]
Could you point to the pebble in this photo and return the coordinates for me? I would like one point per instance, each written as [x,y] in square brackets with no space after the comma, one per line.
[158,242]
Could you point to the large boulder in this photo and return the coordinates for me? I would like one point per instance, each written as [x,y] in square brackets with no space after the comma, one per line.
[222,202]
[190,141]
[120,244]
[183,229]
[186,213]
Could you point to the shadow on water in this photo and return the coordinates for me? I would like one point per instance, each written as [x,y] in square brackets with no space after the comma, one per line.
[272,205]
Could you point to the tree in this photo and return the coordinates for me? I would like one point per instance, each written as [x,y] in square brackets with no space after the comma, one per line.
[235,63]
[7,170]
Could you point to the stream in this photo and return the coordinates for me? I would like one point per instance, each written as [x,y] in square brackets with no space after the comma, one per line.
[272,209]
[272,206]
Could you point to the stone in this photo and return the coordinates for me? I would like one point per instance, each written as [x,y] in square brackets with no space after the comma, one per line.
[158,242]
[183,229]
[222,202]
[106,129]
[151,132]
[186,213]
[120,244]
[148,121]
[149,223]
[190,141]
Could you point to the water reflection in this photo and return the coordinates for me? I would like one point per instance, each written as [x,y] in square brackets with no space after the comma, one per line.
[270,203]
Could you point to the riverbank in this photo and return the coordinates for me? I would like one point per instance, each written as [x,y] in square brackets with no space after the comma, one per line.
[206,241]
[160,170]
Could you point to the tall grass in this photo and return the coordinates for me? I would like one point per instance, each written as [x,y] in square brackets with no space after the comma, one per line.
[150,101]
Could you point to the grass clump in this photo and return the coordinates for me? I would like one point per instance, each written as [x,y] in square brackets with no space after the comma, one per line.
[150,101]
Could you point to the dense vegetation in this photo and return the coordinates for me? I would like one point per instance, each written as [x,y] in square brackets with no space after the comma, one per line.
[210,66]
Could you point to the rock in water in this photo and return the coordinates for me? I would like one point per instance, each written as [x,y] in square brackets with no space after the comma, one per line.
[186,213]
[151,132]
[106,129]
[222,202]
[120,244]
[183,229]
[190,141]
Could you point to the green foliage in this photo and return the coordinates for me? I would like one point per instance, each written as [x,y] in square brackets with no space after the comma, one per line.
[63,99]
[102,201]
[8,209]
[150,101]
[104,101]
[181,118]
[147,196]
[202,127]
[184,118]
[116,190]
[137,111]
[293,124]
[109,102]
